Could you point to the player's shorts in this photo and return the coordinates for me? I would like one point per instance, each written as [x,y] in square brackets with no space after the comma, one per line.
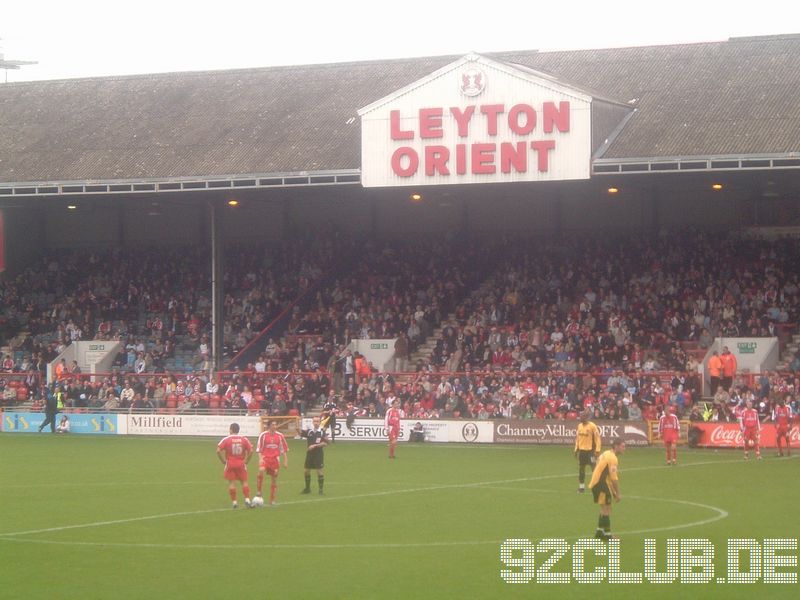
[585,458]
[782,431]
[601,493]
[394,433]
[670,438]
[235,473]
[270,464]
[314,460]
[750,434]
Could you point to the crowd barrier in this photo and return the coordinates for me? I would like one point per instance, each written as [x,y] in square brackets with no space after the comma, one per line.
[96,423]
[729,435]
[533,431]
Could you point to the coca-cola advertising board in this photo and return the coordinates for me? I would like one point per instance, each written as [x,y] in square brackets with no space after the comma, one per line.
[729,435]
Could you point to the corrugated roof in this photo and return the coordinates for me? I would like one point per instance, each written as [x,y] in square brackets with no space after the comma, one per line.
[735,97]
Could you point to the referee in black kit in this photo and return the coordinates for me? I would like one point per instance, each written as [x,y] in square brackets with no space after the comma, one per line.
[315,455]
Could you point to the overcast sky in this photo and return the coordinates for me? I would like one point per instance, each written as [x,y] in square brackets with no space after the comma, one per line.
[85,38]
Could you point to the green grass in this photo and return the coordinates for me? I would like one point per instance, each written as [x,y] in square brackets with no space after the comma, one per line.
[131,517]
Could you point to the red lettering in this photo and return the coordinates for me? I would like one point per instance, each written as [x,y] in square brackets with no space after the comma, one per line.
[412,162]
[530,119]
[555,116]
[436,158]
[491,111]
[513,155]
[461,159]
[394,124]
[430,123]
[462,119]
[542,149]
[483,159]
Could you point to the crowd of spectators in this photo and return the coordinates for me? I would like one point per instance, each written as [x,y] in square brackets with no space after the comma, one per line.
[508,395]
[396,287]
[292,392]
[155,301]
[539,327]
[598,304]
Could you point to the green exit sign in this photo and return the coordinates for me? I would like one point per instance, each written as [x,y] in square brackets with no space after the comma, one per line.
[379,346]
[747,347]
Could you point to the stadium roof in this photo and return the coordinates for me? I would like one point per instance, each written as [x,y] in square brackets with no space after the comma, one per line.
[736,99]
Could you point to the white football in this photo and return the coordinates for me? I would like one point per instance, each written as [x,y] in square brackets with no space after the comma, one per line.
[257,501]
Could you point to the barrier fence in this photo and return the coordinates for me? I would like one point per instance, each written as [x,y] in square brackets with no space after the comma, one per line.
[599,378]
[533,431]
[184,394]
[501,431]
[729,435]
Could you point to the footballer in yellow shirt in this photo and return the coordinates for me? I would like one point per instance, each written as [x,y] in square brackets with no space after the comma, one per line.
[587,447]
[605,486]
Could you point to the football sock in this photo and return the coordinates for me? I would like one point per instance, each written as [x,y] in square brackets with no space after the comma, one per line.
[582,474]
[599,531]
[321,481]
[607,524]
[260,483]
[272,488]
[246,490]
[232,493]
[308,482]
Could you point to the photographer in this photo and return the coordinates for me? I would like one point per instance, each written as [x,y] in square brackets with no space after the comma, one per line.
[417,433]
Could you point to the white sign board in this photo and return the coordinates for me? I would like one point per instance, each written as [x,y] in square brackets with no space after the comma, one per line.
[477,121]
[211,425]
[372,430]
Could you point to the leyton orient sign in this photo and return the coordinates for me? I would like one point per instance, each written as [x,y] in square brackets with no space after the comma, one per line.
[476,121]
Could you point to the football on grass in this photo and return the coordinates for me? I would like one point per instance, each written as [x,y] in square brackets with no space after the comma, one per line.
[257,502]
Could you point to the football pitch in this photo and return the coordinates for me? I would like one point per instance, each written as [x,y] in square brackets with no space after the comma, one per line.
[129,517]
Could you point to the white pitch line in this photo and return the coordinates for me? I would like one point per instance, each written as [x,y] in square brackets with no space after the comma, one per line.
[253,546]
[339,498]
[721,514]
[105,484]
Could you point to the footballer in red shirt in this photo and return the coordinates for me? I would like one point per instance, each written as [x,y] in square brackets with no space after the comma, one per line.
[270,447]
[669,428]
[782,417]
[234,451]
[751,428]
[392,424]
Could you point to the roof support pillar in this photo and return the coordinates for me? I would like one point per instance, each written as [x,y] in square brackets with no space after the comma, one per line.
[215,211]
